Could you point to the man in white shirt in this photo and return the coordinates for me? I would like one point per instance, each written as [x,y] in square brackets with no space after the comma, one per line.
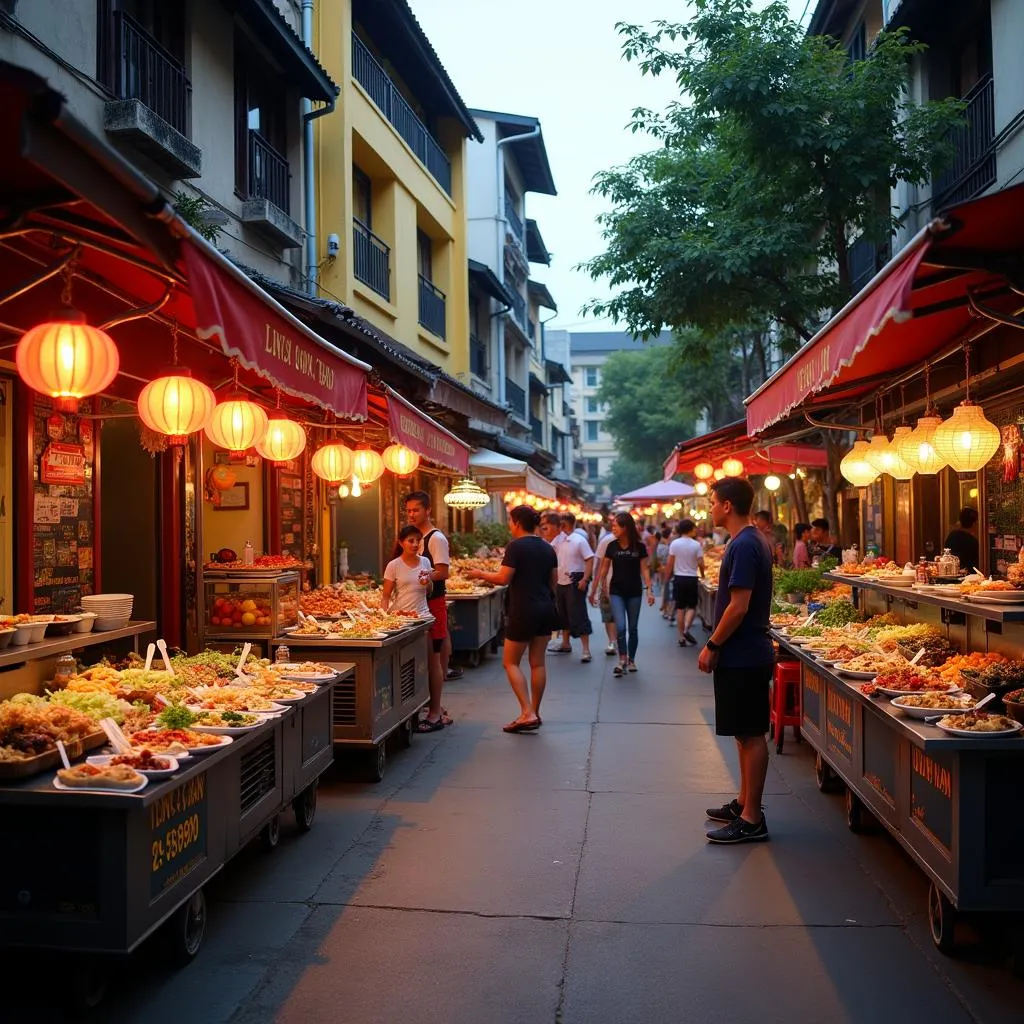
[601,600]
[575,570]
[685,563]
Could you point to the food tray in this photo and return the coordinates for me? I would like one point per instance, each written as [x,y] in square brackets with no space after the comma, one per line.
[50,758]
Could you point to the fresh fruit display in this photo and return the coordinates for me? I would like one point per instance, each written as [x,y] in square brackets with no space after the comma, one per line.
[241,611]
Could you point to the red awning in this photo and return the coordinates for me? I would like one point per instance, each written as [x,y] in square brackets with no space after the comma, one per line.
[266,339]
[758,457]
[408,426]
[912,309]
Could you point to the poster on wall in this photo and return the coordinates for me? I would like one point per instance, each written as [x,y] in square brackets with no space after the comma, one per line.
[63,561]
[291,519]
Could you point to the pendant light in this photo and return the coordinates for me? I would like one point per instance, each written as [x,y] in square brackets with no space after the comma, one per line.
[367,464]
[400,460]
[883,453]
[176,404]
[284,440]
[703,471]
[467,495]
[701,487]
[333,463]
[772,482]
[918,450]
[64,357]
[968,439]
[719,474]
[237,424]
[855,466]
[732,467]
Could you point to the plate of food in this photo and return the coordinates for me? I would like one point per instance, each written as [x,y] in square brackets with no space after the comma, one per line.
[304,671]
[227,723]
[171,741]
[233,698]
[280,693]
[907,678]
[996,596]
[979,723]
[108,779]
[867,666]
[925,705]
[145,762]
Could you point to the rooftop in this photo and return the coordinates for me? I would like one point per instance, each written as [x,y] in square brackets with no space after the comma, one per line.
[581,342]
[530,154]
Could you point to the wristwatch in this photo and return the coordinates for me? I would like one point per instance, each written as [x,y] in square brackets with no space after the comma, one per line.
[711,645]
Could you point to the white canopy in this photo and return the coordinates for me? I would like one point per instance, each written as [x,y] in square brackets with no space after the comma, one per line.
[497,472]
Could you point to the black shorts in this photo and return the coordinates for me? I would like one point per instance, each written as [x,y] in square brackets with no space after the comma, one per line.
[684,591]
[742,700]
[524,625]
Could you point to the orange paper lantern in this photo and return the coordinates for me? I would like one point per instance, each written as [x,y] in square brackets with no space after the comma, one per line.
[400,460]
[367,464]
[237,424]
[703,471]
[332,462]
[732,467]
[67,359]
[285,439]
[176,405]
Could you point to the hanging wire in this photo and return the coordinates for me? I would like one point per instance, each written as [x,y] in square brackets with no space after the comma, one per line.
[68,274]
[903,405]
[174,342]
[967,371]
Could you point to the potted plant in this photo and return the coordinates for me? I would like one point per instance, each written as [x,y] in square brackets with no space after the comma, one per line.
[795,584]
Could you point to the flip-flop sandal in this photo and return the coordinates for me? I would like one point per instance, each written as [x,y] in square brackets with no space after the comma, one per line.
[518,726]
[585,658]
[425,725]
[454,673]
[559,650]
[617,671]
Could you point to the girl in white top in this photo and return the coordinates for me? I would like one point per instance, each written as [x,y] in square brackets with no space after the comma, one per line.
[407,578]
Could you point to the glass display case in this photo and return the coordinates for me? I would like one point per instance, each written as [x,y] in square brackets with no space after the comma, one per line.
[253,604]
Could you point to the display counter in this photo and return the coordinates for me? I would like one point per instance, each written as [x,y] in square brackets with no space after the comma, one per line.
[476,621]
[94,872]
[707,594]
[248,604]
[951,802]
[388,688]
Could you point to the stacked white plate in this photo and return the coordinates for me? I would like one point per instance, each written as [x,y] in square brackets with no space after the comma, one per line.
[113,611]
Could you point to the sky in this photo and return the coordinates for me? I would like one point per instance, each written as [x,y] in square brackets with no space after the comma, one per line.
[560,61]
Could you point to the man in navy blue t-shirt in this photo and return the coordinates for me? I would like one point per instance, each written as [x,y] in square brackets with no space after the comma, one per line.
[740,654]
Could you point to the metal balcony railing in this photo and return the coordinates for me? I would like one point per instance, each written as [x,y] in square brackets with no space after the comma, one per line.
[268,172]
[377,82]
[515,396]
[537,429]
[371,258]
[515,223]
[864,259]
[478,357]
[145,71]
[432,305]
[974,166]
[518,306]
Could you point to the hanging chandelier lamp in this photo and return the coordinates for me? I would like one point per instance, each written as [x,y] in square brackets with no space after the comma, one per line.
[968,439]
[64,357]
[466,496]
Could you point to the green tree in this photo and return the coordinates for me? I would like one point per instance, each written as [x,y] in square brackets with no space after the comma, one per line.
[778,153]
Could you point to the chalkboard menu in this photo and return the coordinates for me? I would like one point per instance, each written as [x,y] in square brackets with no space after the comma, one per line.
[63,526]
[291,518]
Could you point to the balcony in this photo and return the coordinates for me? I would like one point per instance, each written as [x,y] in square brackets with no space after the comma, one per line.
[378,85]
[154,95]
[537,430]
[267,187]
[974,166]
[515,222]
[431,307]
[515,396]
[371,259]
[864,259]
[518,310]
[478,357]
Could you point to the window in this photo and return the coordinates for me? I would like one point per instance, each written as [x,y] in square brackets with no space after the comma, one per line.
[261,169]
[362,198]
[592,376]
[593,405]
[424,255]
[857,47]
[591,429]
[592,471]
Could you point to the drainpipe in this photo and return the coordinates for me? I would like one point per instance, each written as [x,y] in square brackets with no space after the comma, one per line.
[309,188]
[502,224]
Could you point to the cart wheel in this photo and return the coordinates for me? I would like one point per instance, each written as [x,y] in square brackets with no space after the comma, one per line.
[184,932]
[86,983]
[374,763]
[857,815]
[406,730]
[304,806]
[823,775]
[270,834]
[942,917]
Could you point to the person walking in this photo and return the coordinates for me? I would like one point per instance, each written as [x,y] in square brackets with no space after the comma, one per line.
[550,529]
[685,563]
[740,656]
[801,554]
[599,593]
[529,570]
[658,566]
[435,550]
[627,556]
[407,576]
[575,570]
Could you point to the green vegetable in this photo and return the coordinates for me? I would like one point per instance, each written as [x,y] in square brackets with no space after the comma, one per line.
[176,716]
[95,705]
[797,581]
[27,698]
[838,613]
[232,718]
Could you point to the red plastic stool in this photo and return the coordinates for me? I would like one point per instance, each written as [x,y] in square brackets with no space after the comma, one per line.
[785,704]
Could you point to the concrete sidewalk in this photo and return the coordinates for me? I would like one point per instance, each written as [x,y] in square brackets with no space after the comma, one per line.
[563,876]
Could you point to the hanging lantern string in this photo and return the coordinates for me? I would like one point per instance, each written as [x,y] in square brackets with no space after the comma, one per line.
[967,371]
[174,342]
[68,273]
[903,404]
[234,370]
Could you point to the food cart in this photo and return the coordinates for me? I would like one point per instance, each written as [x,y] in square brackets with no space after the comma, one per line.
[476,620]
[98,872]
[707,594]
[384,693]
[935,793]
[248,604]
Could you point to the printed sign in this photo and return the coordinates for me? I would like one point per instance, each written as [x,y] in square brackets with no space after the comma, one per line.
[839,725]
[931,794]
[177,832]
[813,687]
[63,464]
[46,509]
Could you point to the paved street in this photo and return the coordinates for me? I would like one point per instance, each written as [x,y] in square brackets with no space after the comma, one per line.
[564,877]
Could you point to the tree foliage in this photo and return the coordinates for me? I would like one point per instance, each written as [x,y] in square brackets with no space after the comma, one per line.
[779,151]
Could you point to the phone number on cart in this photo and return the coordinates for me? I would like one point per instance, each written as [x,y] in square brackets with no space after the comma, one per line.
[175,842]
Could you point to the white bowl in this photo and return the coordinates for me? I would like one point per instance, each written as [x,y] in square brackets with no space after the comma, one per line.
[28,633]
[101,598]
[85,622]
[108,622]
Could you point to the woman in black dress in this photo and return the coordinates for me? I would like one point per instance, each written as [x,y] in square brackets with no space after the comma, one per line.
[529,569]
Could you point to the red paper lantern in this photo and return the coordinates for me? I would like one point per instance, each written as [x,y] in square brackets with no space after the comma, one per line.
[67,359]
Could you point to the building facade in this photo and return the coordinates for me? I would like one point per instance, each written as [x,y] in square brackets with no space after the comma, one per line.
[134,71]
[391,180]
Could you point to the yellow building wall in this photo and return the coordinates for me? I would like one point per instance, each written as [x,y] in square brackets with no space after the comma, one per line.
[406,198]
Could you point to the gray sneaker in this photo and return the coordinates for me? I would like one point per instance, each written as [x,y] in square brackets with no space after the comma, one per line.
[727,812]
[740,831]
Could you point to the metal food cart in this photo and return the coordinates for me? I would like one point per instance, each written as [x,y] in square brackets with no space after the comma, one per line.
[475,621]
[951,802]
[388,688]
[707,594]
[97,873]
